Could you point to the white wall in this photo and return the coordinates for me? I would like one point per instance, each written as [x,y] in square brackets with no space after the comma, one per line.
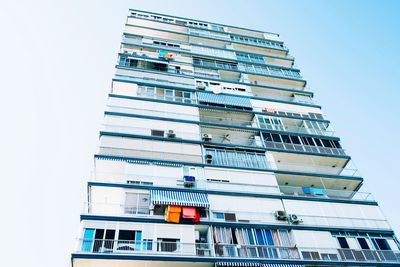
[337,214]
[144,126]
[314,239]
[241,176]
[257,210]
[152,149]
[150,108]
[260,104]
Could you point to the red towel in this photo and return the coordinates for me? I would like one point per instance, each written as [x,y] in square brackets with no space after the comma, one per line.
[189,212]
[197,218]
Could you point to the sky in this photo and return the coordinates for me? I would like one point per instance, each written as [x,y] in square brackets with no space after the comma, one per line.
[56,64]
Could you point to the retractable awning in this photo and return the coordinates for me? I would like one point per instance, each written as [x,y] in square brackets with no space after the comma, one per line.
[237,264]
[179,198]
[253,264]
[281,265]
[227,100]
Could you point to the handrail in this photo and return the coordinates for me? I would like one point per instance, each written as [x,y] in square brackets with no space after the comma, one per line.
[201,184]
[224,250]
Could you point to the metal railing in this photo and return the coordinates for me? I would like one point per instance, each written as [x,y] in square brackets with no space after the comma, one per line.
[308,220]
[297,129]
[250,217]
[210,185]
[305,148]
[220,159]
[168,97]
[148,154]
[222,250]
[267,70]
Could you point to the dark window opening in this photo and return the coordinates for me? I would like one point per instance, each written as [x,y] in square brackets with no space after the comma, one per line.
[343,242]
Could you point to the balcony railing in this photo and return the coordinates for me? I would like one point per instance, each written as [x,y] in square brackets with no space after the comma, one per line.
[267,70]
[244,141]
[164,97]
[256,69]
[297,129]
[209,185]
[305,148]
[116,209]
[148,154]
[221,250]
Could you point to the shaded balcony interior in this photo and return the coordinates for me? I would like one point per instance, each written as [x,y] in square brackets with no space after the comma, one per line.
[293,125]
[230,136]
[242,119]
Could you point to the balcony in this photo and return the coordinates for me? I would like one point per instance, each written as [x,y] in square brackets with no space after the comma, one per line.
[305,148]
[218,186]
[255,69]
[226,157]
[221,250]
[268,70]
[297,129]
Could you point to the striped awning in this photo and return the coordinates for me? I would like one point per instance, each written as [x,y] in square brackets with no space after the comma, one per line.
[179,198]
[237,264]
[253,264]
[227,100]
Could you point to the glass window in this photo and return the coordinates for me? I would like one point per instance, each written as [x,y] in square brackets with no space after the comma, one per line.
[286,139]
[276,138]
[326,143]
[337,144]
[318,142]
[267,137]
[295,139]
[218,215]
[381,244]
[363,243]
[343,242]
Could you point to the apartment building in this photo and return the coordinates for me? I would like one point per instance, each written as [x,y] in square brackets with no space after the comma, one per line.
[214,153]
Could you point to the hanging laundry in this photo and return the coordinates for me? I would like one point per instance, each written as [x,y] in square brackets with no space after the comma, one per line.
[197,218]
[173,214]
[189,212]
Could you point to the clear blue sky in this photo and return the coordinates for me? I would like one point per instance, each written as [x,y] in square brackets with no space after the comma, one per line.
[57,61]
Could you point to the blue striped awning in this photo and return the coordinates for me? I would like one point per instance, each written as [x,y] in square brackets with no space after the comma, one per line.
[227,100]
[179,198]
[253,264]
[237,264]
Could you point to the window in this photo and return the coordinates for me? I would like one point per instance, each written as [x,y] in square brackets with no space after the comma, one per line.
[237,158]
[381,244]
[98,240]
[137,203]
[276,138]
[157,133]
[363,243]
[218,215]
[147,244]
[168,244]
[129,240]
[342,242]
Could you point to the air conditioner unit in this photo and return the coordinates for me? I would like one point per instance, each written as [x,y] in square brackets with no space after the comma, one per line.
[281,215]
[294,219]
[189,181]
[206,137]
[201,86]
[171,134]
[208,159]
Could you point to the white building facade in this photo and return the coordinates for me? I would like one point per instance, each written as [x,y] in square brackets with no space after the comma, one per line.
[213,153]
